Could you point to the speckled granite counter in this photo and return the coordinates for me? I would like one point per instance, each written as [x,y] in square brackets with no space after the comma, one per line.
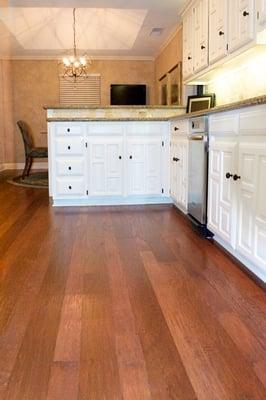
[255,101]
[112,113]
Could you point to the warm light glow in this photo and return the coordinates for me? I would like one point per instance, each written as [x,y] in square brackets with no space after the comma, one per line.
[82,61]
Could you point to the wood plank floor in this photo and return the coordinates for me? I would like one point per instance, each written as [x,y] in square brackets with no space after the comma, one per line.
[122,303]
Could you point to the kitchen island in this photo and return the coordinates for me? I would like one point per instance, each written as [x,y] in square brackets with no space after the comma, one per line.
[109,155]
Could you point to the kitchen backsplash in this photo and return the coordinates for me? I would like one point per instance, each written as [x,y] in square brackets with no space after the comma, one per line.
[240,83]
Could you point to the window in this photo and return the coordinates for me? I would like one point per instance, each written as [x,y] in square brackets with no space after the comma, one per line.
[82,91]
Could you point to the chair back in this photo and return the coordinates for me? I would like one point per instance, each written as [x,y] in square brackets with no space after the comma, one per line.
[25,132]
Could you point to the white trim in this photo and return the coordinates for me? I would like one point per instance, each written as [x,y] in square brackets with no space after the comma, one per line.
[54,58]
[112,201]
[35,165]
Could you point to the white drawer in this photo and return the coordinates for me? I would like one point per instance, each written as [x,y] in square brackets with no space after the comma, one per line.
[223,123]
[180,126]
[139,128]
[69,147]
[70,167]
[70,187]
[65,129]
[253,121]
[105,127]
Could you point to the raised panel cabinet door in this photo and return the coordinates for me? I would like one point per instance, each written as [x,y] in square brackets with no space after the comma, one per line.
[184,174]
[252,202]
[241,24]
[188,55]
[153,167]
[261,14]
[214,188]
[218,30]
[106,166]
[136,167]
[201,33]
[173,166]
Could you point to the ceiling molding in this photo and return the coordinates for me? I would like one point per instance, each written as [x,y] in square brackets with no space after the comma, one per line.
[168,40]
[96,58]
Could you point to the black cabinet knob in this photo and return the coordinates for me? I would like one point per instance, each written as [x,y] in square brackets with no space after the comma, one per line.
[228,175]
[120,157]
[236,177]
[189,58]
[221,33]
[69,187]
[68,129]
[69,168]
[202,47]
[177,159]
[245,13]
[130,157]
[176,128]
[68,147]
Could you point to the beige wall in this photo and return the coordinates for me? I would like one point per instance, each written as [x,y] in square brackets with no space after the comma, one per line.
[168,58]
[35,83]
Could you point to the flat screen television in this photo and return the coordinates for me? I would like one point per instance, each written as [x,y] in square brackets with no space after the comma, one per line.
[128,95]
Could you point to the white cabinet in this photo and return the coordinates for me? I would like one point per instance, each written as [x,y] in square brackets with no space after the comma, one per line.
[222,199]
[241,25]
[144,160]
[188,44]
[179,164]
[261,14]
[218,30]
[236,185]
[105,165]
[251,235]
[201,36]
[109,162]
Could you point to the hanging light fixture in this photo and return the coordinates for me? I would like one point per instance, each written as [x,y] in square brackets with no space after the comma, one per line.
[74,66]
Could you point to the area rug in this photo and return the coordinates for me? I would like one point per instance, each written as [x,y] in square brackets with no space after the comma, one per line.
[34,180]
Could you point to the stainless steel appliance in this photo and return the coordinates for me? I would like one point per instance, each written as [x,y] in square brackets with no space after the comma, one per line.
[198,171]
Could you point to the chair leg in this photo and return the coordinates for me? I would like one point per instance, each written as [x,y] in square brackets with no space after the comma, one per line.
[29,166]
[24,173]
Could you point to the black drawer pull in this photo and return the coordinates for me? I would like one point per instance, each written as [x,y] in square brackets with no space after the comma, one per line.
[245,13]
[228,175]
[68,147]
[176,128]
[221,33]
[68,129]
[236,177]
[202,47]
[130,157]
[69,187]
[69,168]
[120,157]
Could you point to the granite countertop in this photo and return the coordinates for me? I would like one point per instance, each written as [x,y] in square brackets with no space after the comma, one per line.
[106,119]
[254,101]
[87,107]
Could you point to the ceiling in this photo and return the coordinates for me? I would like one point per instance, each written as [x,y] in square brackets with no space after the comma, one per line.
[105,28]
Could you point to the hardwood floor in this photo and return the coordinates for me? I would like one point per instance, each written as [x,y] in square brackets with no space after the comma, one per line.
[122,303]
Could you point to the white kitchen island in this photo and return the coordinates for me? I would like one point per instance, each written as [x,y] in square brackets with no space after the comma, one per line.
[109,156]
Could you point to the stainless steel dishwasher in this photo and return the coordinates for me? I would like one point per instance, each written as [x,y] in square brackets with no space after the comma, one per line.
[198,173]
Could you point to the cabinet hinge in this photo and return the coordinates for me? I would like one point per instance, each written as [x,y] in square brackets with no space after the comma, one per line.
[86,144]
[162,143]
[162,191]
[87,192]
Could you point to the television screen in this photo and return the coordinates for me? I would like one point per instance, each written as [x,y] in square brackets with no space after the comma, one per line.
[128,95]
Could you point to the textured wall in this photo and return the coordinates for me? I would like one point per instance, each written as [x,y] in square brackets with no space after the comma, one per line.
[35,83]
[168,58]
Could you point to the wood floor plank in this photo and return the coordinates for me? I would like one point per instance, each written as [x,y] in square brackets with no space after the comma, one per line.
[63,381]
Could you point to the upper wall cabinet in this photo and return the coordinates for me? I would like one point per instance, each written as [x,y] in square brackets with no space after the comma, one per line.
[261,13]
[218,30]
[201,39]
[188,44]
[240,24]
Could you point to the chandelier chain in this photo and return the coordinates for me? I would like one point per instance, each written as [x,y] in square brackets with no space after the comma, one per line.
[74,31]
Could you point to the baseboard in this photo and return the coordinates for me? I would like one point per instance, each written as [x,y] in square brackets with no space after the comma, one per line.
[35,165]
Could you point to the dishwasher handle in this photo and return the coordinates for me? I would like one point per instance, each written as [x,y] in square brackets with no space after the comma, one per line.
[196,137]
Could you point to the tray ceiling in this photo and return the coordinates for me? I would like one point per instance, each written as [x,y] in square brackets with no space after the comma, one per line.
[39,29]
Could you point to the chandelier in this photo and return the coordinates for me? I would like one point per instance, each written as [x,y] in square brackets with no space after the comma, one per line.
[74,66]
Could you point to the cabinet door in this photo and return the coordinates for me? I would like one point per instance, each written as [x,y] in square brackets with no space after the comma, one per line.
[106,166]
[217,30]
[184,174]
[188,44]
[222,188]
[261,13]
[201,43]
[241,24]
[144,166]
[173,166]
[179,171]
[251,240]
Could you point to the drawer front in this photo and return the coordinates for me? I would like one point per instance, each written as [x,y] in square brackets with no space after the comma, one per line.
[105,128]
[70,147]
[70,167]
[70,187]
[69,129]
[181,126]
[224,123]
[140,128]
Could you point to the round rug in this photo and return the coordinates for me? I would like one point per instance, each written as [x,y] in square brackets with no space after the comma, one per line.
[34,180]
